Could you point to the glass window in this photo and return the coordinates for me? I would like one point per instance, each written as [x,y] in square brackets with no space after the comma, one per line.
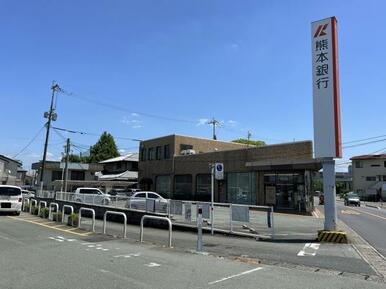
[77,175]
[158,153]
[143,154]
[151,154]
[140,195]
[152,196]
[166,152]
[358,164]
[182,187]
[185,147]
[56,175]
[9,191]
[203,187]
[371,179]
[241,188]
[162,186]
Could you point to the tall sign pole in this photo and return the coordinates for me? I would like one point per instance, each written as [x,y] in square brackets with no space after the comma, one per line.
[326,103]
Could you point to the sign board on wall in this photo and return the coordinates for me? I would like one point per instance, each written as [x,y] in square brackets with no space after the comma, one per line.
[270,195]
[219,171]
[325,79]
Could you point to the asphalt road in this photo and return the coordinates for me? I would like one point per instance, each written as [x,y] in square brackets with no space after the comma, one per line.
[369,223]
[36,256]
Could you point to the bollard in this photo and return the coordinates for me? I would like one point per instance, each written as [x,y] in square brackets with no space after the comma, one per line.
[199,229]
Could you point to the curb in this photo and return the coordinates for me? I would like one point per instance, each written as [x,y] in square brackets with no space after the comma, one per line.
[332,236]
[373,206]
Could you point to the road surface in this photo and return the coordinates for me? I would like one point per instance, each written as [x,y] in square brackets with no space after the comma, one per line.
[37,256]
[368,222]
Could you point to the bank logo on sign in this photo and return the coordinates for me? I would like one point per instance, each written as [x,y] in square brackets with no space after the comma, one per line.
[321,30]
[219,171]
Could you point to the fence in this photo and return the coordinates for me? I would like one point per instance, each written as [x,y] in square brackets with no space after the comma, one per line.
[236,218]
[45,194]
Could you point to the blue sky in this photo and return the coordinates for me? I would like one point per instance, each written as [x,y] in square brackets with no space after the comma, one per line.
[167,66]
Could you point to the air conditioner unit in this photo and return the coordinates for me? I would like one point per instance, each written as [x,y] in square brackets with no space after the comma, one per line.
[188,152]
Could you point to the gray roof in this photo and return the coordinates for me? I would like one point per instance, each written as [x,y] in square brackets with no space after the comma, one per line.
[131,157]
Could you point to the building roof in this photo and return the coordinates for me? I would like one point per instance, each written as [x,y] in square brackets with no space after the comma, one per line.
[125,176]
[195,137]
[131,157]
[369,157]
[10,160]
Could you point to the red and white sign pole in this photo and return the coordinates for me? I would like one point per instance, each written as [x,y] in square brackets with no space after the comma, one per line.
[327,129]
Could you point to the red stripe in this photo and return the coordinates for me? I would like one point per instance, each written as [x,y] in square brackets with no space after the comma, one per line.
[317,31]
[335,68]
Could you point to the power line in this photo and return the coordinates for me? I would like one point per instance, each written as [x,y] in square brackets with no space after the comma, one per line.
[364,139]
[366,143]
[93,134]
[30,142]
[120,108]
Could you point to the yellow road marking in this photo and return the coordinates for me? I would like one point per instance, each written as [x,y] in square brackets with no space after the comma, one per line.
[370,214]
[51,227]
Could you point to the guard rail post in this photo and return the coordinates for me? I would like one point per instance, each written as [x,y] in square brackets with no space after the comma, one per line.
[93,217]
[119,214]
[156,218]
[33,201]
[64,208]
[56,205]
[40,206]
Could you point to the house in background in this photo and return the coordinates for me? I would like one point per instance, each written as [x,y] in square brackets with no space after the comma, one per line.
[79,175]
[369,175]
[9,171]
[120,169]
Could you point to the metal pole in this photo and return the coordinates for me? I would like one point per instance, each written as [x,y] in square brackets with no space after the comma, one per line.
[66,164]
[199,229]
[329,194]
[48,126]
[212,200]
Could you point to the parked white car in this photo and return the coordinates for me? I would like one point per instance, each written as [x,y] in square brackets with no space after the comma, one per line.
[138,201]
[91,196]
[10,199]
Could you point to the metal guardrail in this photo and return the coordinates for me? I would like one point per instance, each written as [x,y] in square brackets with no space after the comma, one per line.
[56,205]
[33,203]
[40,206]
[119,214]
[251,220]
[93,217]
[64,209]
[156,218]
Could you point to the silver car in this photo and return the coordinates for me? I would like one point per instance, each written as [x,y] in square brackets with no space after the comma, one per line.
[10,199]
[91,196]
[147,201]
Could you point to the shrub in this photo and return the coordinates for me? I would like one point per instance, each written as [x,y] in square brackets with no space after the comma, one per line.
[34,210]
[26,207]
[57,216]
[44,212]
[73,220]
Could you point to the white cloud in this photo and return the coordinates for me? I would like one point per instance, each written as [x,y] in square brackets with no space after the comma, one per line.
[133,123]
[121,151]
[134,114]
[136,126]
[232,123]
[202,121]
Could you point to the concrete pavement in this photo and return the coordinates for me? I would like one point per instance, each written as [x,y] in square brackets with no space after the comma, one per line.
[34,256]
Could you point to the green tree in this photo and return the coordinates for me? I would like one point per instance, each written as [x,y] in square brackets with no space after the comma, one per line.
[104,149]
[257,143]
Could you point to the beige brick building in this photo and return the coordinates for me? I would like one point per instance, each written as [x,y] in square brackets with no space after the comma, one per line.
[178,167]
[369,175]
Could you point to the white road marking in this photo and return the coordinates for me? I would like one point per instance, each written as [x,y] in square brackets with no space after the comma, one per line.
[236,275]
[313,246]
[104,249]
[128,255]
[152,264]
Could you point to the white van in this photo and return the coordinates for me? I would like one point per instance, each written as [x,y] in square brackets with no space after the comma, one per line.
[10,199]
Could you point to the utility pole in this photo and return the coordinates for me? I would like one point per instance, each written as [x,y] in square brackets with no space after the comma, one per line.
[249,137]
[51,116]
[214,122]
[66,164]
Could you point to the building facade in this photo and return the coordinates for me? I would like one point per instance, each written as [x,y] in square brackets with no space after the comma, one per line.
[78,174]
[123,169]
[178,167]
[9,171]
[369,175]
